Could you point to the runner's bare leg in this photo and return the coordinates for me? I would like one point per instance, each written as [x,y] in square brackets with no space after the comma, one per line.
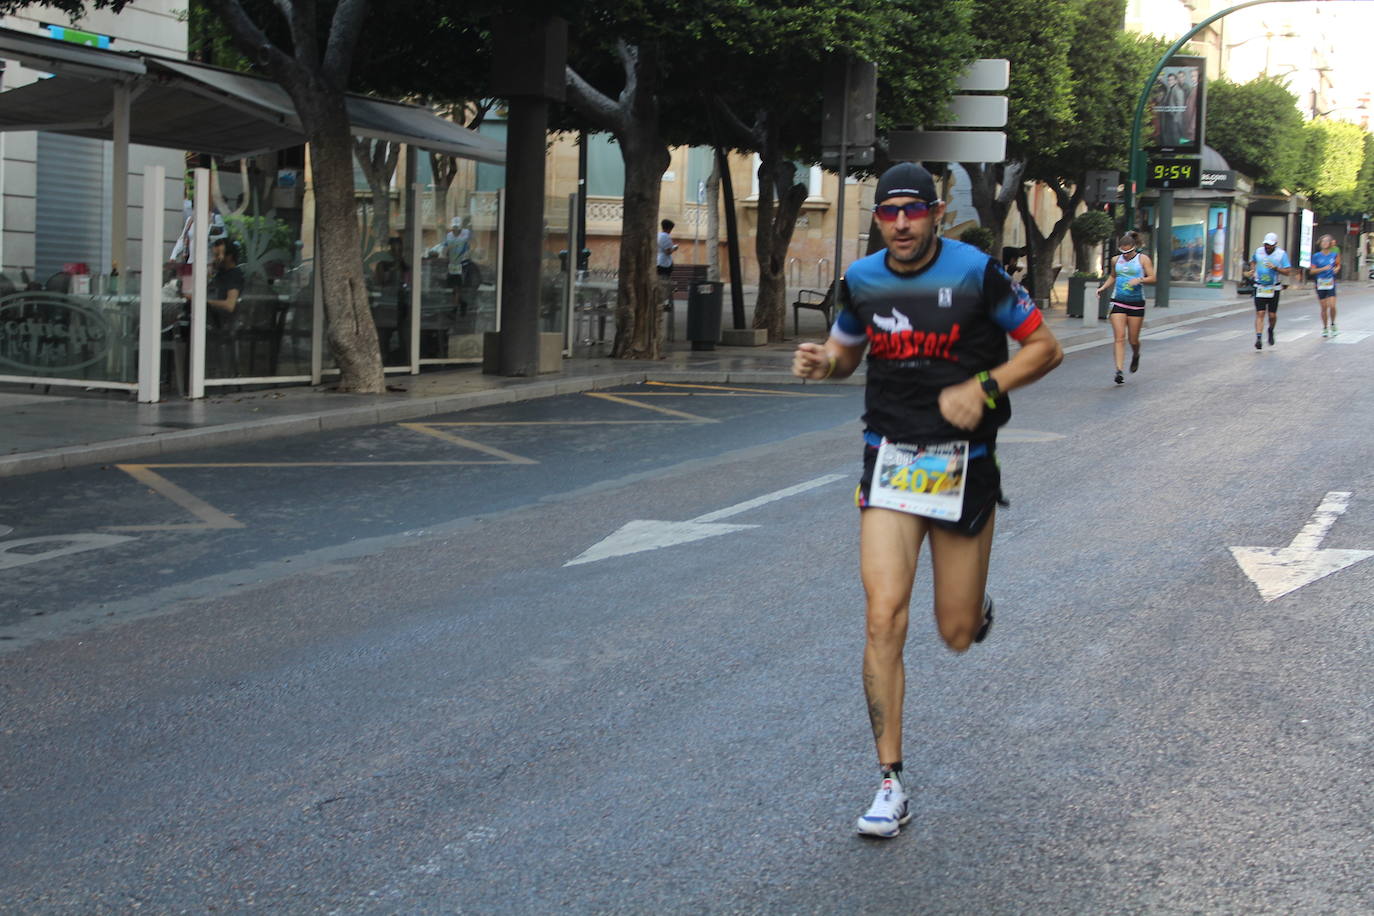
[889,542]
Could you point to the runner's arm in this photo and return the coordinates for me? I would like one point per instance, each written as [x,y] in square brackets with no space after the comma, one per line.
[814,361]
[1107,280]
[1148,268]
[963,404]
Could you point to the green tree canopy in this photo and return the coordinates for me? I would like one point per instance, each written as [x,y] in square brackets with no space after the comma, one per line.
[1258,128]
[1333,154]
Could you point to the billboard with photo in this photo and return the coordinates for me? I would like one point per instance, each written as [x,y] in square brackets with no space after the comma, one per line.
[1177,112]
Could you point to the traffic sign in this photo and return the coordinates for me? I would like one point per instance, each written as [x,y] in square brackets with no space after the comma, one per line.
[947,145]
[976,111]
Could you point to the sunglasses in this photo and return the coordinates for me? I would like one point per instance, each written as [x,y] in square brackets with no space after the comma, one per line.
[914,210]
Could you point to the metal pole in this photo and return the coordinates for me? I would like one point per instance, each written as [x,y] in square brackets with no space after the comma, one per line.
[119,190]
[836,270]
[1137,162]
[150,295]
[1164,248]
[200,275]
[412,251]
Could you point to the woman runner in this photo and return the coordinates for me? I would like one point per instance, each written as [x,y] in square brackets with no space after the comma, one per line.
[1130,270]
[1326,266]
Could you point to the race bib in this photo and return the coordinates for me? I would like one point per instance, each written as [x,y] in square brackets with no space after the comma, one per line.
[924,480]
[1266,292]
[1326,283]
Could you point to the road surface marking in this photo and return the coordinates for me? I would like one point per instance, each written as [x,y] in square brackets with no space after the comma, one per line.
[1348,337]
[645,534]
[1167,333]
[738,391]
[1276,571]
[664,410]
[11,556]
[210,517]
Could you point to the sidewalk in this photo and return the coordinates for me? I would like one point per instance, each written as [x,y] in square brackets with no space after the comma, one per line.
[44,432]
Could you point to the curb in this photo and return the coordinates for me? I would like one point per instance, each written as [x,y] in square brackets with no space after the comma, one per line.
[115,451]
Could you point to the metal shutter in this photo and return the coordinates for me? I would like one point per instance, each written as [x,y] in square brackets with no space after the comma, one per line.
[73,202]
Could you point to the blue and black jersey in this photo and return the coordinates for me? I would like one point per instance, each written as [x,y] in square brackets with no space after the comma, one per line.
[928,330]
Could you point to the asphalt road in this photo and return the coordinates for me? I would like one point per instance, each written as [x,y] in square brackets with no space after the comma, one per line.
[387,691]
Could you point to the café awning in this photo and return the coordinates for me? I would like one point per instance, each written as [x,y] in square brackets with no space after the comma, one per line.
[182,105]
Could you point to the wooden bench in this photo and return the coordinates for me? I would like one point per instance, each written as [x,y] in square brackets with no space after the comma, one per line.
[682,278]
[822,301]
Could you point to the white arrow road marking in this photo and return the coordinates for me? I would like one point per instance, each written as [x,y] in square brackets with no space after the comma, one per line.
[1276,571]
[644,534]
[21,552]
[5,530]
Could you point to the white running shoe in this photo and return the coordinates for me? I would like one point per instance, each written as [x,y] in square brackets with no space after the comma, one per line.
[890,810]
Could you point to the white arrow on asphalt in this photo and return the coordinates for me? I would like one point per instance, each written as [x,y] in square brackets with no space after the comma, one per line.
[642,534]
[1276,571]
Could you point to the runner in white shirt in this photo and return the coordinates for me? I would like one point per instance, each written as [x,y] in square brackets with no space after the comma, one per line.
[1267,264]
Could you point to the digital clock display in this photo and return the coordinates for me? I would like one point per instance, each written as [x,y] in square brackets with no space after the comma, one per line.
[1174,173]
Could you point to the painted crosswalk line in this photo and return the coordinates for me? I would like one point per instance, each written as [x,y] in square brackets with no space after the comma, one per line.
[1349,337]
[1167,333]
[1227,335]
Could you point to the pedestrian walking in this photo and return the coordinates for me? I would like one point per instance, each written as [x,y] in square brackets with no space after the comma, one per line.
[1326,266]
[1267,265]
[934,315]
[1130,270]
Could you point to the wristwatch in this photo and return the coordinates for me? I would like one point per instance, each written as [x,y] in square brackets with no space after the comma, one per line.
[990,389]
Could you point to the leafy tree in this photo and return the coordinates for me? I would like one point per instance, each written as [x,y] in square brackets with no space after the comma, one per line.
[1334,153]
[1364,188]
[748,77]
[1258,128]
[1108,67]
[767,90]
[1037,38]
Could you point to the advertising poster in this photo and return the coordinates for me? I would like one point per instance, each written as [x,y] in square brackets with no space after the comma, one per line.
[1216,244]
[1186,262]
[1176,107]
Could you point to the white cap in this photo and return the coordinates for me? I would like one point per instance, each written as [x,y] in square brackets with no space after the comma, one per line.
[1271,239]
[456,223]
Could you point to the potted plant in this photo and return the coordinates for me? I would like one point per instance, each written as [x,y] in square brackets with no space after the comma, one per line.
[1088,230]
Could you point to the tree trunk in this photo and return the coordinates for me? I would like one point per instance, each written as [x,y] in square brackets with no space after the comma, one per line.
[378,159]
[1041,246]
[780,201]
[352,332]
[993,187]
[713,222]
[639,300]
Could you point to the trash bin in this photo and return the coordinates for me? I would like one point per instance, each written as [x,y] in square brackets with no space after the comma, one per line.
[703,314]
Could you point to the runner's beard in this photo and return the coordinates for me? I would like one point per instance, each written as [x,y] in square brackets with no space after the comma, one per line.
[917,253]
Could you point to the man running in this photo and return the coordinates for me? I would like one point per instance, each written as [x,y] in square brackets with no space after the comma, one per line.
[1326,266]
[934,315]
[1268,262]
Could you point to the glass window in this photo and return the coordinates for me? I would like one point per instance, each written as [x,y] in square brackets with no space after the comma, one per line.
[605,167]
[700,161]
[491,177]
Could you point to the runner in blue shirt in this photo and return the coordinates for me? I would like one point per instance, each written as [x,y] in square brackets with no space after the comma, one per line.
[934,315]
[1326,267]
[1266,265]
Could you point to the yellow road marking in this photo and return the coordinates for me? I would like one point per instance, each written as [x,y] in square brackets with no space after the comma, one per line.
[430,429]
[666,410]
[785,394]
[210,517]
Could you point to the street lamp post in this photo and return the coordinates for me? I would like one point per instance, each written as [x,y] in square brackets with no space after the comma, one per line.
[1136,170]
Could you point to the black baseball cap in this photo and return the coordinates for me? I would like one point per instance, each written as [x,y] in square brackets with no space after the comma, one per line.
[906,179]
